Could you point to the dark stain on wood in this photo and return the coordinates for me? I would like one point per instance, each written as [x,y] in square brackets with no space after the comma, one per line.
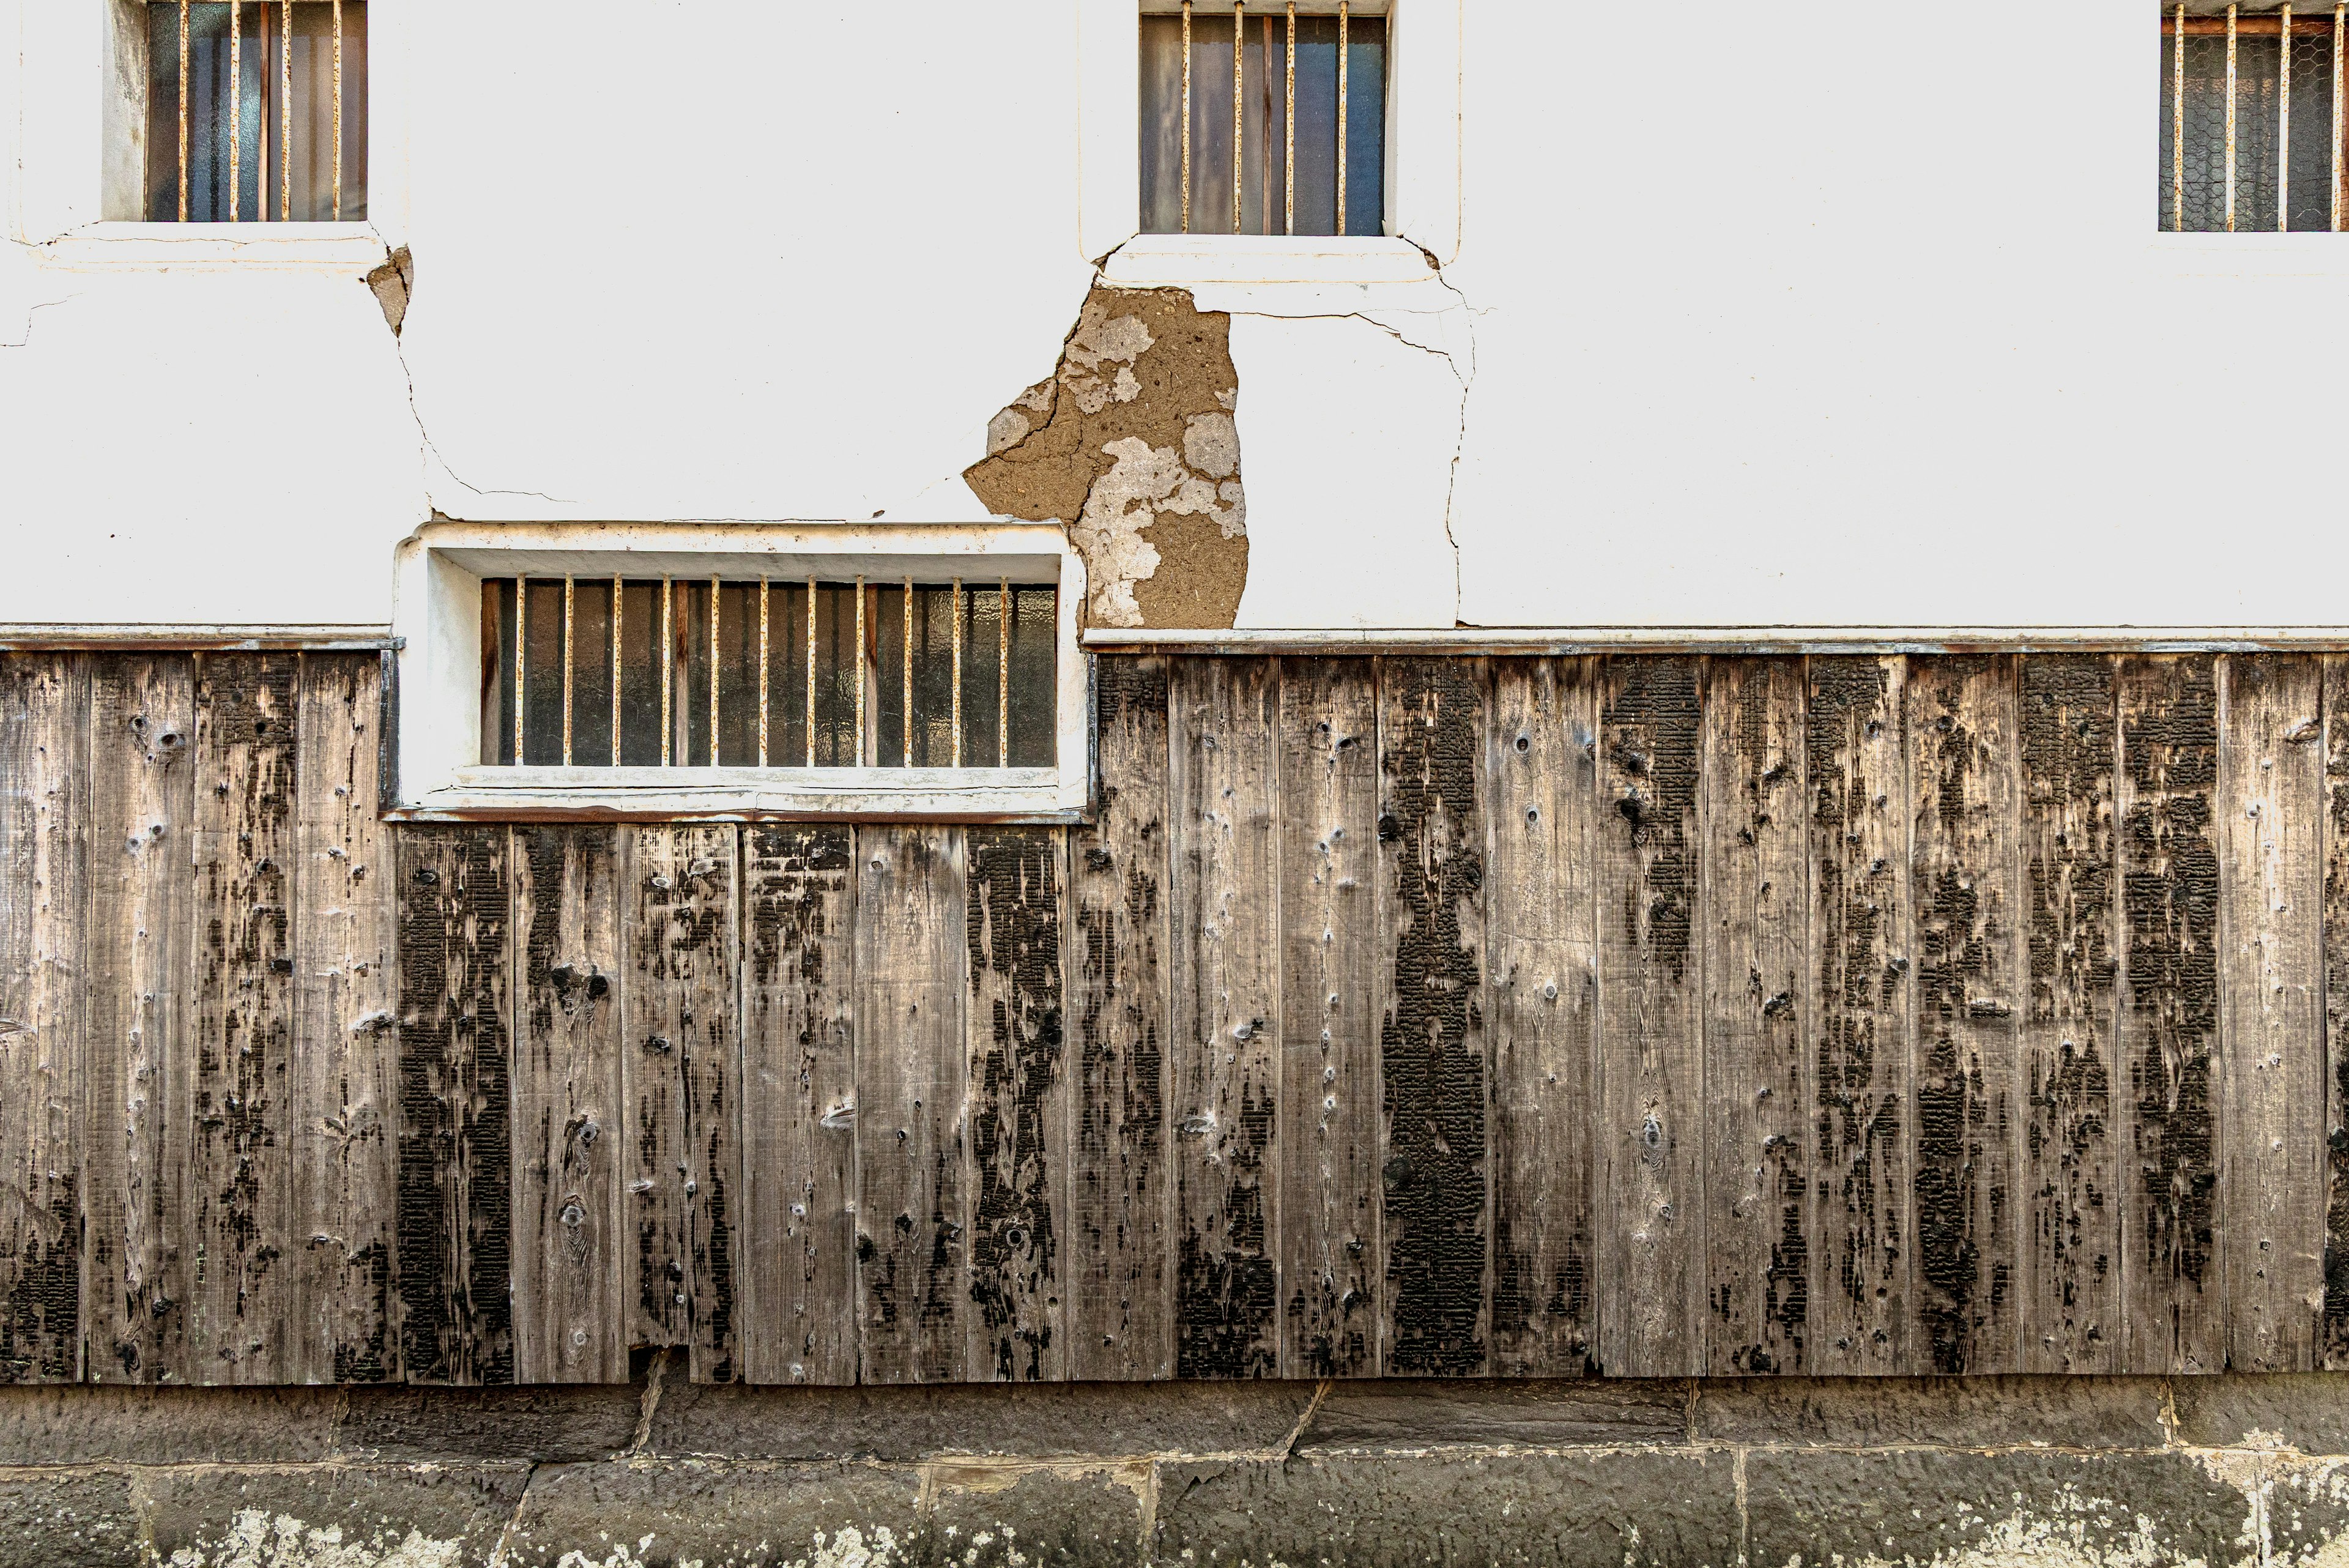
[454,1236]
[1860,1011]
[1018,1102]
[2070,1222]
[2169,1022]
[1432,1041]
[1117,1268]
[2332,1344]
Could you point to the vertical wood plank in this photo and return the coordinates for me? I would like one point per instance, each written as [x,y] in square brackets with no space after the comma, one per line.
[2173,1318]
[1964,843]
[239,1218]
[141,916]
[1330,1255]
[1860,1010]
[912,1246]
[44,900]
[799,1104]
[1432,1043]
[2333,1348]
[1757,1130]
[680,1082]
[569,1146]
[1119,1272]
[2069,1295]
[1545,969]
[346,1069]
[2271,1028]
[1650,991]
[455,1235]
[1226,919]
[1013,914]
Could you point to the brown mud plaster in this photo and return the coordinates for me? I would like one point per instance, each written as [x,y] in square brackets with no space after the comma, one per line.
[391,284]
[1131,444]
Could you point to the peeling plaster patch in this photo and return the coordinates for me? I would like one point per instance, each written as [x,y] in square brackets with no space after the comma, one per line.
[392,282]
[1131,446]
[256,1539]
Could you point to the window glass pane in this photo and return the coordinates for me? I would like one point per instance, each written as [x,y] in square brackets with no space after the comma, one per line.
[497,670]
[838,671]
[787,682]
[591,672]
[542,671]
[889,673]
[692,667]
[640,691]
[1032,663]
[1366,98]
[981,666]
[933,690]
[1161,135]
[738,675]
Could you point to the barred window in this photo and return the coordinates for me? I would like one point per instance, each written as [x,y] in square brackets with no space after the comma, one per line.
[2251,121]
[1264,119]
[609,672]
[256,112]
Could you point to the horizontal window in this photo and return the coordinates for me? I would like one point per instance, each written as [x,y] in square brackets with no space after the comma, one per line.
[2250,126]
[662,672]
[1263,122]
[256,112]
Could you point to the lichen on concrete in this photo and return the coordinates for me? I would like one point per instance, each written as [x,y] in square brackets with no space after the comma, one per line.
[1131,445]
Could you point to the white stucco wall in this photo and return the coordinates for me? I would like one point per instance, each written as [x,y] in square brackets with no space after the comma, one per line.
[1739,322]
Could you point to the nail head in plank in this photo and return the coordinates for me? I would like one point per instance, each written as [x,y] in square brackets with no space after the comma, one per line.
[1544,774]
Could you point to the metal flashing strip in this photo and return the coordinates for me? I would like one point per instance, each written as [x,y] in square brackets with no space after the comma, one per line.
[1729,640]
[20,636]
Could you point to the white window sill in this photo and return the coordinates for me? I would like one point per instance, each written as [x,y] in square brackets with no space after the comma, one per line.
[2261,254]
[1179,261]
[336,247]
[611,794]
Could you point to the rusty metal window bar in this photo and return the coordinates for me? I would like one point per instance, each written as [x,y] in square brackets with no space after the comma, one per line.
[2252,119]
[603,672]
[256,112]
[1257,119]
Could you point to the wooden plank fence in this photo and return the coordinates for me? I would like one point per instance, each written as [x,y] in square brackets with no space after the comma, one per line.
[1643,1016]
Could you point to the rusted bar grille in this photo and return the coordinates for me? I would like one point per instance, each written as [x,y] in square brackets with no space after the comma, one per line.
[2243,95]
[713,672]
[1298,145]
[248,106]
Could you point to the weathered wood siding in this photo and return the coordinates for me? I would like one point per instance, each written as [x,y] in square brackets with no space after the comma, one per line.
[1665,1015]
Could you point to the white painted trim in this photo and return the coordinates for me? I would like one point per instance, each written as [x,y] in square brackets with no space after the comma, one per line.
[340,248]
[437,613]
[1422,172]
[179,636]
[1765,639]
[1154,261]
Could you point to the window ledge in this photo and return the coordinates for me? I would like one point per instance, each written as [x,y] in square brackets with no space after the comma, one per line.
[2252,255]
[737,794]
[336,247]
[1153,261]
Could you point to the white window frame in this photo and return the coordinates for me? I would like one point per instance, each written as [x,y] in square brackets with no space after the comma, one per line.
[437,614]
[1421,173]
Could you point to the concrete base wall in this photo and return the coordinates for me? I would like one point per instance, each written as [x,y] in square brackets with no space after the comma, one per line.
[2070,1472]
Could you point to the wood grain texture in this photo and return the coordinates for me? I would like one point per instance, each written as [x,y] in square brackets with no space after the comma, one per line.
[569,1148]
[1964,777]
[1650,987]
[1541,919]
[241,1171]
[2173,1317]
[454,1236]
[1014,917]
[913,1251]
[1757,1130]
[799,1104]
[2270,1021]
[1222,1065]
[2068,1277]
[680,1065]
[345,1068]
[141,919]
[1434,1046]
[1860,1012]
[1119,1268]
[45,711]
[2333,1349]
[1331,1260]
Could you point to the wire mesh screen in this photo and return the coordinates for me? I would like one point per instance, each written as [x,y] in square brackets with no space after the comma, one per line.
[257,112]
[2250,139]
[618,672]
